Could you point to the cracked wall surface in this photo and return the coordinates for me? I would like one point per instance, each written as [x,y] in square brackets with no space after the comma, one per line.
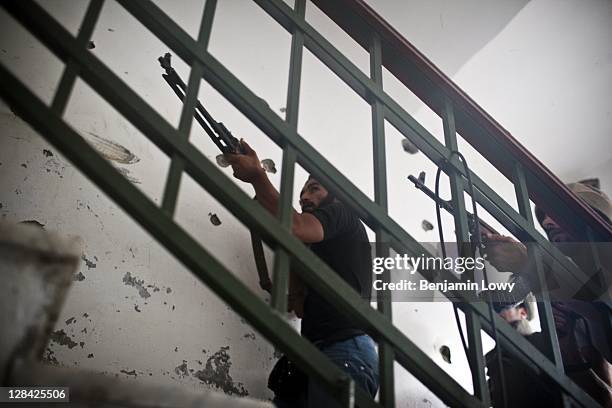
[133,311]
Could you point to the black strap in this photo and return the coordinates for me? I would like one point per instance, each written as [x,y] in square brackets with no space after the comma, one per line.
[260,262]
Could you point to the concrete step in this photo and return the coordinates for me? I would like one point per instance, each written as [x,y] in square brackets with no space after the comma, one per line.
[87,389]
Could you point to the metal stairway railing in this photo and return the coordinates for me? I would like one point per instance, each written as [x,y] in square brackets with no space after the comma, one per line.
[394,346]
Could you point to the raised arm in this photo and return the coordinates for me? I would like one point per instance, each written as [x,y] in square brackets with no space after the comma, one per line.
[247,168]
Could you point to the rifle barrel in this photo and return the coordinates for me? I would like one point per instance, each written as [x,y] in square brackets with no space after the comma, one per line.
[484,227]
[219,134]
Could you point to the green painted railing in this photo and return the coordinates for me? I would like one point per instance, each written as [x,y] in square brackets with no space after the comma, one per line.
[387,49]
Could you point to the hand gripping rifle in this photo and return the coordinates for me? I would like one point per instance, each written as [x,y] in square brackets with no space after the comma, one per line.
[485,229]
[227,143]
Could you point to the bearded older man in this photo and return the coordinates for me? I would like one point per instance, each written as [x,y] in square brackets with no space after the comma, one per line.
[583,327]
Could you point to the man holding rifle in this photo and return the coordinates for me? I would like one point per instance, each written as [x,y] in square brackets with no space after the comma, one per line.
[338,237]
[583,327]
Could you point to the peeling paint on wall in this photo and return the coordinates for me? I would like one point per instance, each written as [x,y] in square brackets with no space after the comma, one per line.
[79,277]
[216,372]
[89,263]
[130,280]
[53,165]
[49,357]
[181,370]
[132,373]
[154,287]
[60,337]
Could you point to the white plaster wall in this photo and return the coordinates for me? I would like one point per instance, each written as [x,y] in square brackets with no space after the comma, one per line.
[182,325]
[547,79]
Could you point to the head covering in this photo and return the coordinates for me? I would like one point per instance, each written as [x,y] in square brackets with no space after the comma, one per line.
[528,303]
[593,196]
[589,192]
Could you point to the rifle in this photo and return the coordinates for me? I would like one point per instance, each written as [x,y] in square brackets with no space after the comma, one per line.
[217,131]
[419,183]
[227,143]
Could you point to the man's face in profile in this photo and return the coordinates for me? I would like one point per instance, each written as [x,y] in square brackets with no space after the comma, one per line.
[514,315]
[312,195]
[553,230]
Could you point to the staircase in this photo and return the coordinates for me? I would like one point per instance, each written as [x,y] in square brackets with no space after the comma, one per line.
[387,48]
[39,267]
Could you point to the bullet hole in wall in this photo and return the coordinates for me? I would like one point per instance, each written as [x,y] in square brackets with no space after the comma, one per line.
[221,160]
[409,147]
[446,353]
[214,219]
[268,165]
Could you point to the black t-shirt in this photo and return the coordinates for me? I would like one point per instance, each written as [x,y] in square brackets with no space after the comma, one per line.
[345,249]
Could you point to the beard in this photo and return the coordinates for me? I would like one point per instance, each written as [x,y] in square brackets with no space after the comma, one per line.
[522,326]
[329,198]
[558,236]
[308,208]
